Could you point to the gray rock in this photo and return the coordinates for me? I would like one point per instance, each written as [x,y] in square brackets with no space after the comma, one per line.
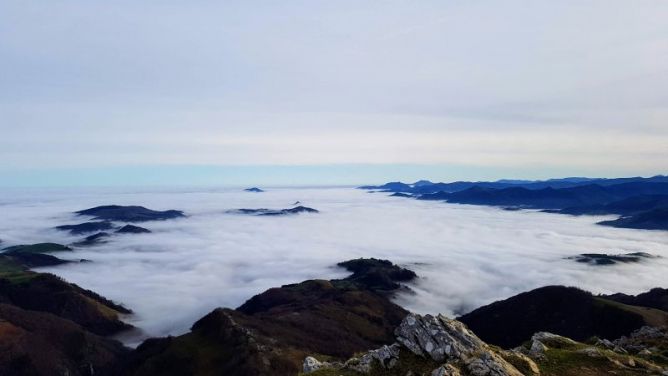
[552,340]
[645,352]
[311,364]
[387,357]
[446,370]
[438,337]
[537,349]
[443,339]
[592,352]
[605,344]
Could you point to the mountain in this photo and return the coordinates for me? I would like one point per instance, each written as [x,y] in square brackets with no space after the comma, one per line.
[642,202]
[272,212]
[439,346]
[86,227]
[346,327]
[583,196]
[25,256]
[656,219]
[99,238]
[626,206]
[566,311]
[45,292]
[37,248]
[272,332]
[424,187]
[654,298]
[132,229]
[129,214]
[41,343]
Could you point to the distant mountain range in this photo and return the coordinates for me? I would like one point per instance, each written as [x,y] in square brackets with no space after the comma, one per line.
[641,203]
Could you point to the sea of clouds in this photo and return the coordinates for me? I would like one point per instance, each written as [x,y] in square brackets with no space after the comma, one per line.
[466,256]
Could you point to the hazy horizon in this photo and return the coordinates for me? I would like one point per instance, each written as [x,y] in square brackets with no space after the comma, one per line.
[358,92]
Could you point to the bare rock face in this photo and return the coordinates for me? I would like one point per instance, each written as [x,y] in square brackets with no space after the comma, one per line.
[386,356]
[311,364]
[447,340]
[446,343]
[438,337]
[446,370]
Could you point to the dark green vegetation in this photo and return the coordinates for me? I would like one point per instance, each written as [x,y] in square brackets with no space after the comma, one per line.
[606,259]
[642,203]
[37,248]
[654,298]
[129,213]
[272,212]
[655,219]
[20,257]
[425,187]
[47,293]
[566,311]
[51,327]
[272,332]
[100,237]
[41,343]
[132,229]
[399,194]
[86,227]
[375,274]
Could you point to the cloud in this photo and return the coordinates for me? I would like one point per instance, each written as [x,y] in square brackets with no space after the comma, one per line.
[466,256]
[314,83]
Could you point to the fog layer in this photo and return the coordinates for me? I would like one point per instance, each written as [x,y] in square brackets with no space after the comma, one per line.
[466,256]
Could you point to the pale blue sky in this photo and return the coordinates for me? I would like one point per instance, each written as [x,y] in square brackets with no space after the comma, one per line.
[103,93]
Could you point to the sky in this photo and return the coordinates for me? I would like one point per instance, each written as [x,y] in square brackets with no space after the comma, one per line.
[316,92]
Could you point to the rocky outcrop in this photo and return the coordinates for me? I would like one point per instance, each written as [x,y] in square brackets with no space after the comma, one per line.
[438,346]
[444,344]
[254,190]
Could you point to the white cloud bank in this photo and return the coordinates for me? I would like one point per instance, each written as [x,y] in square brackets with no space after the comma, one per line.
[466,256]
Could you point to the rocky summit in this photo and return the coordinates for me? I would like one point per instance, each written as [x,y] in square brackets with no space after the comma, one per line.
[439,346]
[427,345]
